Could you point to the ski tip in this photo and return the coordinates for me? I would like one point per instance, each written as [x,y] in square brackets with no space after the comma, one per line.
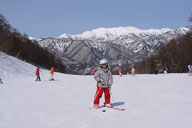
[103,110]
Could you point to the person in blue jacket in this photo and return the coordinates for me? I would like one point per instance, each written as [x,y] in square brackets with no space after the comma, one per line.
[190,69]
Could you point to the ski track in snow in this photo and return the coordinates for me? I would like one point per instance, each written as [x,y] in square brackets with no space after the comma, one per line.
[150,101]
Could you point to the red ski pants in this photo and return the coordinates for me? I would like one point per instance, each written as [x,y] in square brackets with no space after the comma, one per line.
[99,93]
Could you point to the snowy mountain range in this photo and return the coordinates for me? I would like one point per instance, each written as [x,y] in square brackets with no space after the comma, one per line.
[121,46]
[108,34]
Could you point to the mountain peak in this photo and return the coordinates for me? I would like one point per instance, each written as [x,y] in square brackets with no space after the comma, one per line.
[112,33]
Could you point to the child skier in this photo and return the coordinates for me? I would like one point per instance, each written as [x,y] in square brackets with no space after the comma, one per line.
[104,80]
[38,74]
[52,72]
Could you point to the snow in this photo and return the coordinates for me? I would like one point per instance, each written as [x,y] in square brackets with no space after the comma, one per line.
[113,33]
[150,101]
[11,67]
[109,34]
[139,47]
[32,38]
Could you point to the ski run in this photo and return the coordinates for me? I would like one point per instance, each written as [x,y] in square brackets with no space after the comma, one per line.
[150,101]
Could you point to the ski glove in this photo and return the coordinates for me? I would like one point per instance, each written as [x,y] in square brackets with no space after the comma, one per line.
[102,82]
[109,87]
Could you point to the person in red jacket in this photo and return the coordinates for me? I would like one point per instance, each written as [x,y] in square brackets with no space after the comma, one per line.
[52,72]
[38,74]
[94,71]
[120,72]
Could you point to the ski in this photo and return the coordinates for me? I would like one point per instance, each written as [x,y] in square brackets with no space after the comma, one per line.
[102,110]
[115,108]
[120,109]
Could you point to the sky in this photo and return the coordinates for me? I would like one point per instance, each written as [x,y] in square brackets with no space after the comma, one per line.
[52,18]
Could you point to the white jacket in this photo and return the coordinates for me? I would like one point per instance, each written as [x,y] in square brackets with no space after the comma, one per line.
[103,77]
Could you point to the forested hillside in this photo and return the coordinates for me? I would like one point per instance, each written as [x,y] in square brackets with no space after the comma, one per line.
[175,56]
[18,45]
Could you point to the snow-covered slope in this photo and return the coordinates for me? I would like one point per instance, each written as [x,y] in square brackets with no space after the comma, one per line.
[11,67]
[150,101]
[124,45]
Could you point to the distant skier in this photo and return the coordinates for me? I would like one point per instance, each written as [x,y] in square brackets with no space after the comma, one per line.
[165,70]
[120,72]
[94,71]
[1,82]
[104,79]
[133,71]
[52,72]
[190,69]
[156,70]
[38,74]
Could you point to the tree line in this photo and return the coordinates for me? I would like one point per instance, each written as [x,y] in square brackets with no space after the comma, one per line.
[174,57]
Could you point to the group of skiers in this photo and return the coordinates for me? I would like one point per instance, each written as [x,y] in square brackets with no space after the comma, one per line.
[38,74]
[132,72]
[119,71]
[104,79]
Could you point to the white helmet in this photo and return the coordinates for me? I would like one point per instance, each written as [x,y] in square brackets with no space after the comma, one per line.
[103,61]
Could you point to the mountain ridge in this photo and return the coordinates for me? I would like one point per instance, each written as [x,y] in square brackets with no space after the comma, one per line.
[115,32]
[82,54]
